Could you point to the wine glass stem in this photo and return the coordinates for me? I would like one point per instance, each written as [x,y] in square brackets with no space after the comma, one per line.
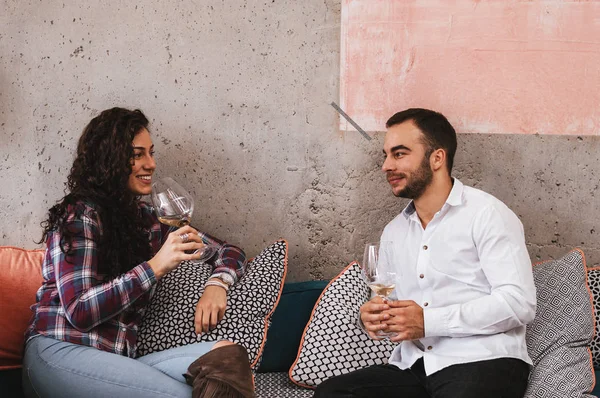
[384,298]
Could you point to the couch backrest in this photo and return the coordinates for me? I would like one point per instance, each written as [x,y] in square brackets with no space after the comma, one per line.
[20,278]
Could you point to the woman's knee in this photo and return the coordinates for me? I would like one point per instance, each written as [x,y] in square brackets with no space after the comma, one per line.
[222,343]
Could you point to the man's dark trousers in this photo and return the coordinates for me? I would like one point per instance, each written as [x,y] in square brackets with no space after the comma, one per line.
[497,378]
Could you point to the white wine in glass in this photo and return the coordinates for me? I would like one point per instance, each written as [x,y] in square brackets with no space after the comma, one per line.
[378,270]
[175,221]
[173,204]
[379,273]
[174,207]
[382,290]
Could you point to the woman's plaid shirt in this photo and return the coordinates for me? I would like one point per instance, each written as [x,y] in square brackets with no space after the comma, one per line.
[74,303]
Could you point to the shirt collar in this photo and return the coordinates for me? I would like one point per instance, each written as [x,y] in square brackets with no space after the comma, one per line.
[456,194]
[454,199]
[409,210]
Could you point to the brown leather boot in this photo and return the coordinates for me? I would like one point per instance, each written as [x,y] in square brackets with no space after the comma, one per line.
[223,372]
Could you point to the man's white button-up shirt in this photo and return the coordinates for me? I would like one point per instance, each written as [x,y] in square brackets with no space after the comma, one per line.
[470,271]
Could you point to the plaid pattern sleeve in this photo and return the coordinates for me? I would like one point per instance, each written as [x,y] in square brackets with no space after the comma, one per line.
[76,305]
[229,263]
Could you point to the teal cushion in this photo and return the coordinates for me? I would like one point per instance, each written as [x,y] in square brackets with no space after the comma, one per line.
[596,390]
[288,323]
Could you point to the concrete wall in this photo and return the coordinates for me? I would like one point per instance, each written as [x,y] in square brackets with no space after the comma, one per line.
[238,94]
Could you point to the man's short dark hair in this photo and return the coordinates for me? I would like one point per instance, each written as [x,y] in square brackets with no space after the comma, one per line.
[437,131]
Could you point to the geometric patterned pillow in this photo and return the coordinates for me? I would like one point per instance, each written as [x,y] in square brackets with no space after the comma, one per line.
[169,319]
[593,275]
[333,342]
[558,338]
[278,385]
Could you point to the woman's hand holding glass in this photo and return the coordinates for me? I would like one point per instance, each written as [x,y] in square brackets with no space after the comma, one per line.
[173,250]
[174,206]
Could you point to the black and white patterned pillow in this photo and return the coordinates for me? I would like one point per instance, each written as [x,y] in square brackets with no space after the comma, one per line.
[278,384]
[594,284]
[169,319]
[558,338]
[333,344]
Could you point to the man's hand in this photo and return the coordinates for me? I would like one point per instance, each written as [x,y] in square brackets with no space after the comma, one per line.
[406,319]
[373,317]
[210,309]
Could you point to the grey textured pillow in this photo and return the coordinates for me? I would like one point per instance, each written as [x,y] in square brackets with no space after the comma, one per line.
[333,344]
[169,319]
[558,339]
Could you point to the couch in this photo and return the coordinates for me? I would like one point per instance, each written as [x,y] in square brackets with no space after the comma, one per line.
[20,277]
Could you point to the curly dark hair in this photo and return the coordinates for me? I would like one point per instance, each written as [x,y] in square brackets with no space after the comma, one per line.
[99,177]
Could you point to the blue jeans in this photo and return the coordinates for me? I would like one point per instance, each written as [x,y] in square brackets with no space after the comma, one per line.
[53,368]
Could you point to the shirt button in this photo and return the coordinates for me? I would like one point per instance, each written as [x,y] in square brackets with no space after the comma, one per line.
[124,329]
[426,304]
[425,247]
[421,276]
[430,348]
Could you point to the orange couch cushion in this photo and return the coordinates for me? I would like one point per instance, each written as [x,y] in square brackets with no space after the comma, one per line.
[20,278]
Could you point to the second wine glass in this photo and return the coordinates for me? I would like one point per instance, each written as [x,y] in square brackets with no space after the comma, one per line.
[379,273]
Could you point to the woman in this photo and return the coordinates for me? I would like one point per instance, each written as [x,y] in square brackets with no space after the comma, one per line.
[105,253]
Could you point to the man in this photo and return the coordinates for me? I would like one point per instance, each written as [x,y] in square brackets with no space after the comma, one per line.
[465,283]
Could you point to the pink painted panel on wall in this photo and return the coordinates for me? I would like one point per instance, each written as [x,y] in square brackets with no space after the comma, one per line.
[497,66]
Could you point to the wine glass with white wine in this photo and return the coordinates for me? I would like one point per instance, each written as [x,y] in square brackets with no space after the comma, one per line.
[174,207]
[379,273]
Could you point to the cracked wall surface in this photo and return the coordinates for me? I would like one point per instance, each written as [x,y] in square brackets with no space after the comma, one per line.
[238,96]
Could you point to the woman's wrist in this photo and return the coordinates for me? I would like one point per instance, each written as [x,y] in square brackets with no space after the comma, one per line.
[158,272]
[215,281]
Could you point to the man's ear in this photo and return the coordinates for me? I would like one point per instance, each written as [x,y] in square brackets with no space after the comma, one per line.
[437,160]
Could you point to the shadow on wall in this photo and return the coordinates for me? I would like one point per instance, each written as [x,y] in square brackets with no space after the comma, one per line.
[550,182]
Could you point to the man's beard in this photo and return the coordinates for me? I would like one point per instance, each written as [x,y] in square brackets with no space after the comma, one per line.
[417,182]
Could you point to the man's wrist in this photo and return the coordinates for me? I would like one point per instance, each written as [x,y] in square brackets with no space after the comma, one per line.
[435,322]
